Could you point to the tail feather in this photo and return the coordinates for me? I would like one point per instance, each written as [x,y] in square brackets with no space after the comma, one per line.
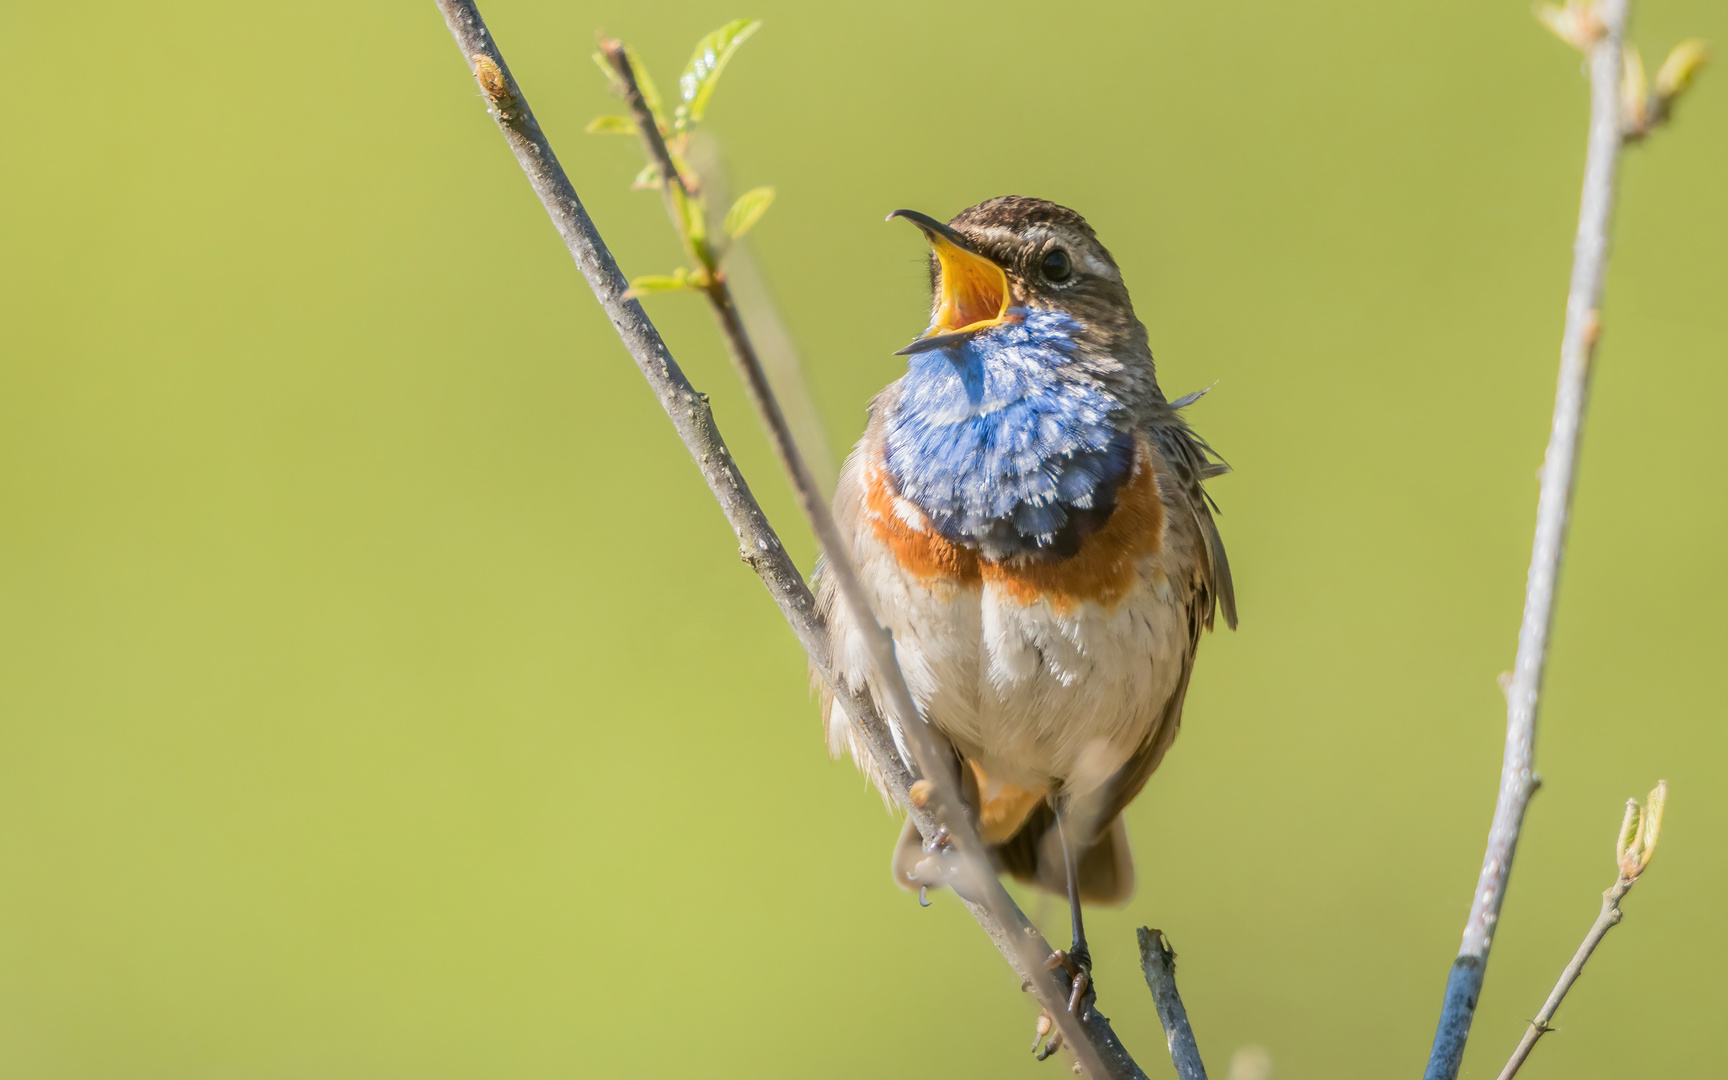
[1033,856]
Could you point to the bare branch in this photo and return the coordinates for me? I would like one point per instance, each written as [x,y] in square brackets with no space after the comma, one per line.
[1636,844]
[1097,1047]
[1518,780]
[1158,961]
[950,828]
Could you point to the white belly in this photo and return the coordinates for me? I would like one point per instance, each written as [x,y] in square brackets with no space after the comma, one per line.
[1069,696]
[1032,694]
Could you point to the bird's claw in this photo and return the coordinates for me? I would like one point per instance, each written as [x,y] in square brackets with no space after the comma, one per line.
[937,868]
[1077,965]
[1046,1026]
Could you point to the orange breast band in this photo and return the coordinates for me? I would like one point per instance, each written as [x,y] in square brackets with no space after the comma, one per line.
[1103,570]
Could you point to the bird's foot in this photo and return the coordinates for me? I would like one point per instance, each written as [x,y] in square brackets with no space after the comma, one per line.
[937,868]
[1077,965]
[1046,1026]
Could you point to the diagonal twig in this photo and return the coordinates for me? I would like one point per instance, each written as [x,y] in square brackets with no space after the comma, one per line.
[1518,780]
[975,880]
[756,307]
[1637,844]
[1158,962]
[1096,1045]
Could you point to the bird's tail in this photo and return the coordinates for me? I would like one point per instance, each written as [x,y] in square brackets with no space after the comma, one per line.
[1033,856]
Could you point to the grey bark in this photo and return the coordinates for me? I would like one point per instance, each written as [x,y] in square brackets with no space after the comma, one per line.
[1158,962]
[1518,780]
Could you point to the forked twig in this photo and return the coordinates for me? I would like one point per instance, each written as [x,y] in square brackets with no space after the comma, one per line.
[973,879]
[1095,1044]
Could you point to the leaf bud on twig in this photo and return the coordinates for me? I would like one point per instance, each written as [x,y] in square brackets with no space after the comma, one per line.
[1677,72]
[1639,831]
[1577,24]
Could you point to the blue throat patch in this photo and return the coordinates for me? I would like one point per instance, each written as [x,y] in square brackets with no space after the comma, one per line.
[1003,445]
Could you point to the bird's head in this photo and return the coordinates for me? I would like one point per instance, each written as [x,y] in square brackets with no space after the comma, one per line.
[995,262]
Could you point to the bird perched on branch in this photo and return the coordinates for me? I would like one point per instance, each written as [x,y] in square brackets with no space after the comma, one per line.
[1027,511]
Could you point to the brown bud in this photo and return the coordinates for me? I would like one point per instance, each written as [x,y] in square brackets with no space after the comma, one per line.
[492,84]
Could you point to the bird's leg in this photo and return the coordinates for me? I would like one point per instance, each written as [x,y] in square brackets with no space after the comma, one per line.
[1077,961]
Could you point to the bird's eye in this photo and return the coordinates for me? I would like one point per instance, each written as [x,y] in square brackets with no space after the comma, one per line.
[1056,266]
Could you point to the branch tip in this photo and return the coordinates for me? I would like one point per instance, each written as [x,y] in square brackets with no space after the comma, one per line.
[1639,831]
[1633,846]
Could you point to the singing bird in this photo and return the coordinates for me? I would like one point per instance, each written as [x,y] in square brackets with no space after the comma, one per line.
[1026,510]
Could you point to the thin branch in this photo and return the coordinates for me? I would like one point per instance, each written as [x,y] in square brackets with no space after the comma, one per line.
[756,305]
[951,828]
[1101,1053]
[780,357]
[1158,961]
[1634,848]
[1518,780]
[1607,920]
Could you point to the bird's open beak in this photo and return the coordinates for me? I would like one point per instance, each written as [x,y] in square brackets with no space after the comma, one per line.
[974,288]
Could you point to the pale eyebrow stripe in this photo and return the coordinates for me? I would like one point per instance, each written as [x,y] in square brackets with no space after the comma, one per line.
[1084,259]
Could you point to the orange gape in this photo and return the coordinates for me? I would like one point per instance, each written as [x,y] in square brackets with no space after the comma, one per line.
[1103,570]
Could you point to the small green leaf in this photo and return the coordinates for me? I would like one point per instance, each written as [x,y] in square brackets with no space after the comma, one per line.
[748,210]
[611,125]
[1626,843]
[1651,826]
[649,284]
[712,52]
[649,177]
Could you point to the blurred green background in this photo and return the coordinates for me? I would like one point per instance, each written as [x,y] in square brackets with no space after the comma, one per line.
[380,693]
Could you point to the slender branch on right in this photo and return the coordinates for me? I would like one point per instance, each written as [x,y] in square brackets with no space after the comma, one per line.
[1158,961]
[1518,779]
[1633,849]
[1622,108]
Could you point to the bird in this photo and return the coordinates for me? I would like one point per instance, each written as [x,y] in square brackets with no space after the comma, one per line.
[1027,513]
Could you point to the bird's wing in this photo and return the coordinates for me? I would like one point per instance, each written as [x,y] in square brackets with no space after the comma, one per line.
[1192,462]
